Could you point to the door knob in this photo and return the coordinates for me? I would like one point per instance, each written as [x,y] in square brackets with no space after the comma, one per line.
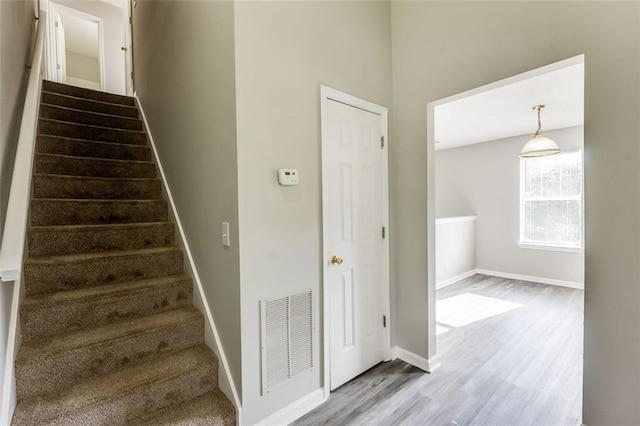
[124,49]
[335,260]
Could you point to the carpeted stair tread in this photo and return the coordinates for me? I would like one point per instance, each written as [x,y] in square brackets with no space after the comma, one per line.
[91,307]
[71,239]
[72,115]
[104,349]
[88,187]
[108,291]
[47,126]
[81,92]
[53,211]
[50,274]
[115,331]
[94,167]
[124,395]
[84,104]
[49,144]
[210,409]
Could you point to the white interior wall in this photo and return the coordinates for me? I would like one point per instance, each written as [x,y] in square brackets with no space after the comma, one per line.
[444,48]
[113,40]
[284,52]
[455,249]
[185,74]
[83,67]
[484,179]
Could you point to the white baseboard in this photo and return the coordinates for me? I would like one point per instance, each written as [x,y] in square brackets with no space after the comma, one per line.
[295,410]
[453,280]
[541,280]
[212,338]
[428,365]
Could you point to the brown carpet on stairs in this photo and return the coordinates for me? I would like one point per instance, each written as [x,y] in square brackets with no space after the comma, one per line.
[110,336]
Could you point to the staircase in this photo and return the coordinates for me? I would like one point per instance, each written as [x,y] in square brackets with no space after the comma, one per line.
[109,332]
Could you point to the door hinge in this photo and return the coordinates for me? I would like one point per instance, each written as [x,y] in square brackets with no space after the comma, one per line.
[384,321]
[56,24]
[130,20]
[384,232]
[381,141]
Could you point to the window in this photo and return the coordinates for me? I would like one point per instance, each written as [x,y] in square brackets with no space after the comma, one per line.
[551,201]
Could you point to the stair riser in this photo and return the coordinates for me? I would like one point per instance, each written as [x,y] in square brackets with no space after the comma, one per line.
[61,212]
[87,105]
[83,117]
[57,276]
[93,312]
[79,92]
[43,375]
[56,242]
[77,166]
[49,186]
[80,148]
[81,131]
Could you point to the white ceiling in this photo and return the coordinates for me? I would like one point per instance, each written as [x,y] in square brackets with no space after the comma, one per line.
[80,35]
[507,111]
[117,3]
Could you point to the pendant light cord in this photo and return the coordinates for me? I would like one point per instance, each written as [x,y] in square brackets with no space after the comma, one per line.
[539,108]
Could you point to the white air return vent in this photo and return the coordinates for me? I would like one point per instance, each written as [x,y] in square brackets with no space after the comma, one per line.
[287,338]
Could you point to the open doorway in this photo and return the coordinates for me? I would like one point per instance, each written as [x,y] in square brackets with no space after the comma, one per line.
[507,278]
[79,47]
[89,44]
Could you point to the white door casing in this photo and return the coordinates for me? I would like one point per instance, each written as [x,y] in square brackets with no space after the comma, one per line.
[128,45]
[355,211]
[61,53]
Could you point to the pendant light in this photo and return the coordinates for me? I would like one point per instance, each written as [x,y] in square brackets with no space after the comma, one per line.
[539,145]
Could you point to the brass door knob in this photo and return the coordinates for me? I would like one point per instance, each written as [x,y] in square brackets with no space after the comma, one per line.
[335,260]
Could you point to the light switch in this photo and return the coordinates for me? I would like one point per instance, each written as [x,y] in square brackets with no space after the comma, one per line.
[226,241]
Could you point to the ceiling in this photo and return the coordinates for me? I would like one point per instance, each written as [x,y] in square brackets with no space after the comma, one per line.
[507,111]
[80,35]
[117,3]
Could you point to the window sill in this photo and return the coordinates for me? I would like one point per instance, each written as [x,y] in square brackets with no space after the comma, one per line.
[548,247]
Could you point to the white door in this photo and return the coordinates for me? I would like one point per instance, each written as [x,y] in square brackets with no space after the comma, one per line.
[61,53]
[353,234]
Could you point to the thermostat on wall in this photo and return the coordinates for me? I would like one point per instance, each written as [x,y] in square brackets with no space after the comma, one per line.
[288,177]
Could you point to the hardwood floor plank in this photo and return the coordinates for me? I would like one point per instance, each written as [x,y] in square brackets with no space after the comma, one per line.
[511,354]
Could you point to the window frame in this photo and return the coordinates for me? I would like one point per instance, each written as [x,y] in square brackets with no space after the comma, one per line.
[547,245]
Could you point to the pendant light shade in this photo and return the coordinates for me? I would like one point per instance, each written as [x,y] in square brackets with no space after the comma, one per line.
[539,145]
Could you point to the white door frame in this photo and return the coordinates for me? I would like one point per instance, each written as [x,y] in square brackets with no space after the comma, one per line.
[128,43]
[328,94]
[431,186]
[61,50]
[54,8]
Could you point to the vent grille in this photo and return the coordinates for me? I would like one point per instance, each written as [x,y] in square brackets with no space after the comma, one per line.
[287,336]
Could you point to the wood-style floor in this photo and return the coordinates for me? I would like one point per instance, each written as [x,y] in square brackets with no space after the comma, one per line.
[511,354]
